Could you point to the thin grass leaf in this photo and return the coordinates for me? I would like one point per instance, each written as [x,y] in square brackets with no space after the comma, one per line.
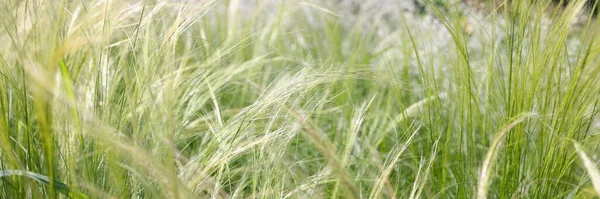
[590,166]
[61,187]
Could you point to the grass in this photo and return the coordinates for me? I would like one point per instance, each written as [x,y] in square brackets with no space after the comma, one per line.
[298,99]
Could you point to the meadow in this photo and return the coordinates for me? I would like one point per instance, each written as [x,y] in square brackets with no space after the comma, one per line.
[299,99]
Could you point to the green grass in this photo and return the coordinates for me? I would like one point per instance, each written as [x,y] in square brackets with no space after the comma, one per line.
[297,99]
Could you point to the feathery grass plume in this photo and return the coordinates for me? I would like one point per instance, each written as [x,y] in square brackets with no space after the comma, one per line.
[297,99]
[488,163]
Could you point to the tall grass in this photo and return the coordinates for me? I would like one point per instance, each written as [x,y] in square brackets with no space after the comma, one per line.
[297,99]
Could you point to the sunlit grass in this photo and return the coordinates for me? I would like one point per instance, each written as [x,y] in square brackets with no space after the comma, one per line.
[298,99]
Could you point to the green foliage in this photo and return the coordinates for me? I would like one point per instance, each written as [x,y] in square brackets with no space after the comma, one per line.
[297,99]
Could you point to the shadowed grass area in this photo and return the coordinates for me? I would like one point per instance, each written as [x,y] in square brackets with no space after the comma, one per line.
[298,99]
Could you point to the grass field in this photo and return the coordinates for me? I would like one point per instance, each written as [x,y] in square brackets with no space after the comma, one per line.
[298,99]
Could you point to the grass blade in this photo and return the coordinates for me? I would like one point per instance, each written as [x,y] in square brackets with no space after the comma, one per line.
[590,166]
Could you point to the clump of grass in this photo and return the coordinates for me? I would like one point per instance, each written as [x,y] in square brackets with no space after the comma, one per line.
[297,99]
